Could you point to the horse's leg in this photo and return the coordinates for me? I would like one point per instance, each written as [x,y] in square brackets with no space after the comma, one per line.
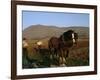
[51,56]
[66,53]
[50,52]
[63,57]
[57,54]
[60,56]
[54,54]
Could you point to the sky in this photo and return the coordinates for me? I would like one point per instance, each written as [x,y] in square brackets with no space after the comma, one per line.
[60,19]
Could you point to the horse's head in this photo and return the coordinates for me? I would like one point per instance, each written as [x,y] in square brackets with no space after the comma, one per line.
[70,37]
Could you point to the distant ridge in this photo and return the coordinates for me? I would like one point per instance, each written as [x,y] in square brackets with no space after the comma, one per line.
[44,31]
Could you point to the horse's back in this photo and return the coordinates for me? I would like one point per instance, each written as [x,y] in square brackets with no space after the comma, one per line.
[53,42]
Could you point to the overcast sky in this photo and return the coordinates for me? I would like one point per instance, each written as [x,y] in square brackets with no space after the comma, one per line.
[59,19]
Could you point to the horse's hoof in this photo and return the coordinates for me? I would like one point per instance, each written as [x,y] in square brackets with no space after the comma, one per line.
[64,60]
[63,65]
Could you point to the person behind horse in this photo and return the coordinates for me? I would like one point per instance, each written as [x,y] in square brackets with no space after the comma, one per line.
[61,45]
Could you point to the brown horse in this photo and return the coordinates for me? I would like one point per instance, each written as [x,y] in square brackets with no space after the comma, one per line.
[60,46]
[53,45]
[67,40]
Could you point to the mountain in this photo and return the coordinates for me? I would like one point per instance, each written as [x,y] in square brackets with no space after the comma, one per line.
[43,31]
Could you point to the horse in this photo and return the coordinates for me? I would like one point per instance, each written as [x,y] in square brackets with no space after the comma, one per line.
[69,38]
[67,41]
[60,45]
[53,45]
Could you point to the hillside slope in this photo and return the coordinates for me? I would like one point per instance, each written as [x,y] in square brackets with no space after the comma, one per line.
[42,31]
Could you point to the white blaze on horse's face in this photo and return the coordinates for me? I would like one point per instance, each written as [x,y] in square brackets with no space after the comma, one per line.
[73,37]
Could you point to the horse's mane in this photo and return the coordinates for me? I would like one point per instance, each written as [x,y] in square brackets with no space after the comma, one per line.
[70,31]
[67,35]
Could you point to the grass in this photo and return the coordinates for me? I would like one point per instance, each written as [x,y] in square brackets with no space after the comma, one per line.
[78,56]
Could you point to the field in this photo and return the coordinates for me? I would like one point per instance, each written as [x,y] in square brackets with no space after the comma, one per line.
[78,55]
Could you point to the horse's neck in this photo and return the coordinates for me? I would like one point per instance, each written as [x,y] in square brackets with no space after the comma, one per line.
[61,40]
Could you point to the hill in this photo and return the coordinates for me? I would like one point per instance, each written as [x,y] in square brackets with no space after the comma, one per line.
[43,31]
